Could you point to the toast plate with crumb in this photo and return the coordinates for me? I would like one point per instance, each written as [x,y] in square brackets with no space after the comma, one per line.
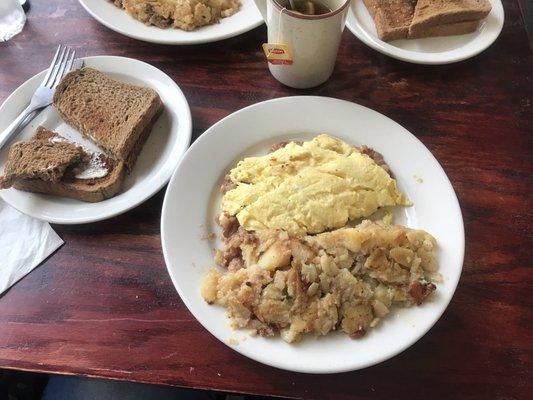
[246,19]
[188,223]
[433,50]
[159,157]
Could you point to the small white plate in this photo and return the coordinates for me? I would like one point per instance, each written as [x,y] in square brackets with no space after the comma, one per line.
[157,161]
[118,20]
[192,200]
[436,50]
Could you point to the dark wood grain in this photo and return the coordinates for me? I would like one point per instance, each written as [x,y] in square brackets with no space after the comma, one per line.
[104,306]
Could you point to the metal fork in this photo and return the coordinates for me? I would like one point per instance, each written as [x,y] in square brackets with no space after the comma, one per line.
[62,63]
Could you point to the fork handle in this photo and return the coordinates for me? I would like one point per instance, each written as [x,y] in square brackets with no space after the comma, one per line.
[15,126]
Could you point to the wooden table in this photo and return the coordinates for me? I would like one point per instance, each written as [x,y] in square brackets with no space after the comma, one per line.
[104,305]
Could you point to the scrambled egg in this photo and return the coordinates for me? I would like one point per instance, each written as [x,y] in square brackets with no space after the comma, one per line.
[309,188]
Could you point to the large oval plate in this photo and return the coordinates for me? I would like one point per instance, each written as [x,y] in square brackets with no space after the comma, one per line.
[118,20]
[192,200]
[157,161]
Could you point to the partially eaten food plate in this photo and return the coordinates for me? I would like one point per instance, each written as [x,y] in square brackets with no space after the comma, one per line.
[311,243]
[187,15]
[112,137]
[176,21]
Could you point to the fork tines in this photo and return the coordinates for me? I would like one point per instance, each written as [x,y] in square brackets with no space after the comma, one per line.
[61,64]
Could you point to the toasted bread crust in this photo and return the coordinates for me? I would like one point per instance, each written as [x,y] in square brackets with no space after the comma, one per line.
[138,146]
[94,190]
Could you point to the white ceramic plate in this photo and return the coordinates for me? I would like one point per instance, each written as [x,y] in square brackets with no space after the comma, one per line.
[157,161]
[437,50]
[118,20]
[189,214]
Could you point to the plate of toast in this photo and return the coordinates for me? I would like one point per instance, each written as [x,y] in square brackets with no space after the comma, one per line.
[427,31]
[112,137]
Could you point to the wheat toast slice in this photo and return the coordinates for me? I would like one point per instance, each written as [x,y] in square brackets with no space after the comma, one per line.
[89,190]
[392,18]
[35,159]
[67,184]
[432,13]
[112,114]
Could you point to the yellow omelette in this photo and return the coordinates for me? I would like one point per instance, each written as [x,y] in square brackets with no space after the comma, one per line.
[309,188]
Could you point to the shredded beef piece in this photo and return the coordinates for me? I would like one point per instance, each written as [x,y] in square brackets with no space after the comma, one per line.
[265,331]
[357,334]
[226,256]
[377,157]
[229,225]
[227,185]
[156,19]
[234,236]
[236,264]
[420,291]
[246,237]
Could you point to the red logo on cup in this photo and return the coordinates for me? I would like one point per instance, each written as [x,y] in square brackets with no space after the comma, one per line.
[278,53]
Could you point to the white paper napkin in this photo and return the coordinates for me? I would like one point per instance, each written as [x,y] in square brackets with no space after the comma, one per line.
[24,243]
